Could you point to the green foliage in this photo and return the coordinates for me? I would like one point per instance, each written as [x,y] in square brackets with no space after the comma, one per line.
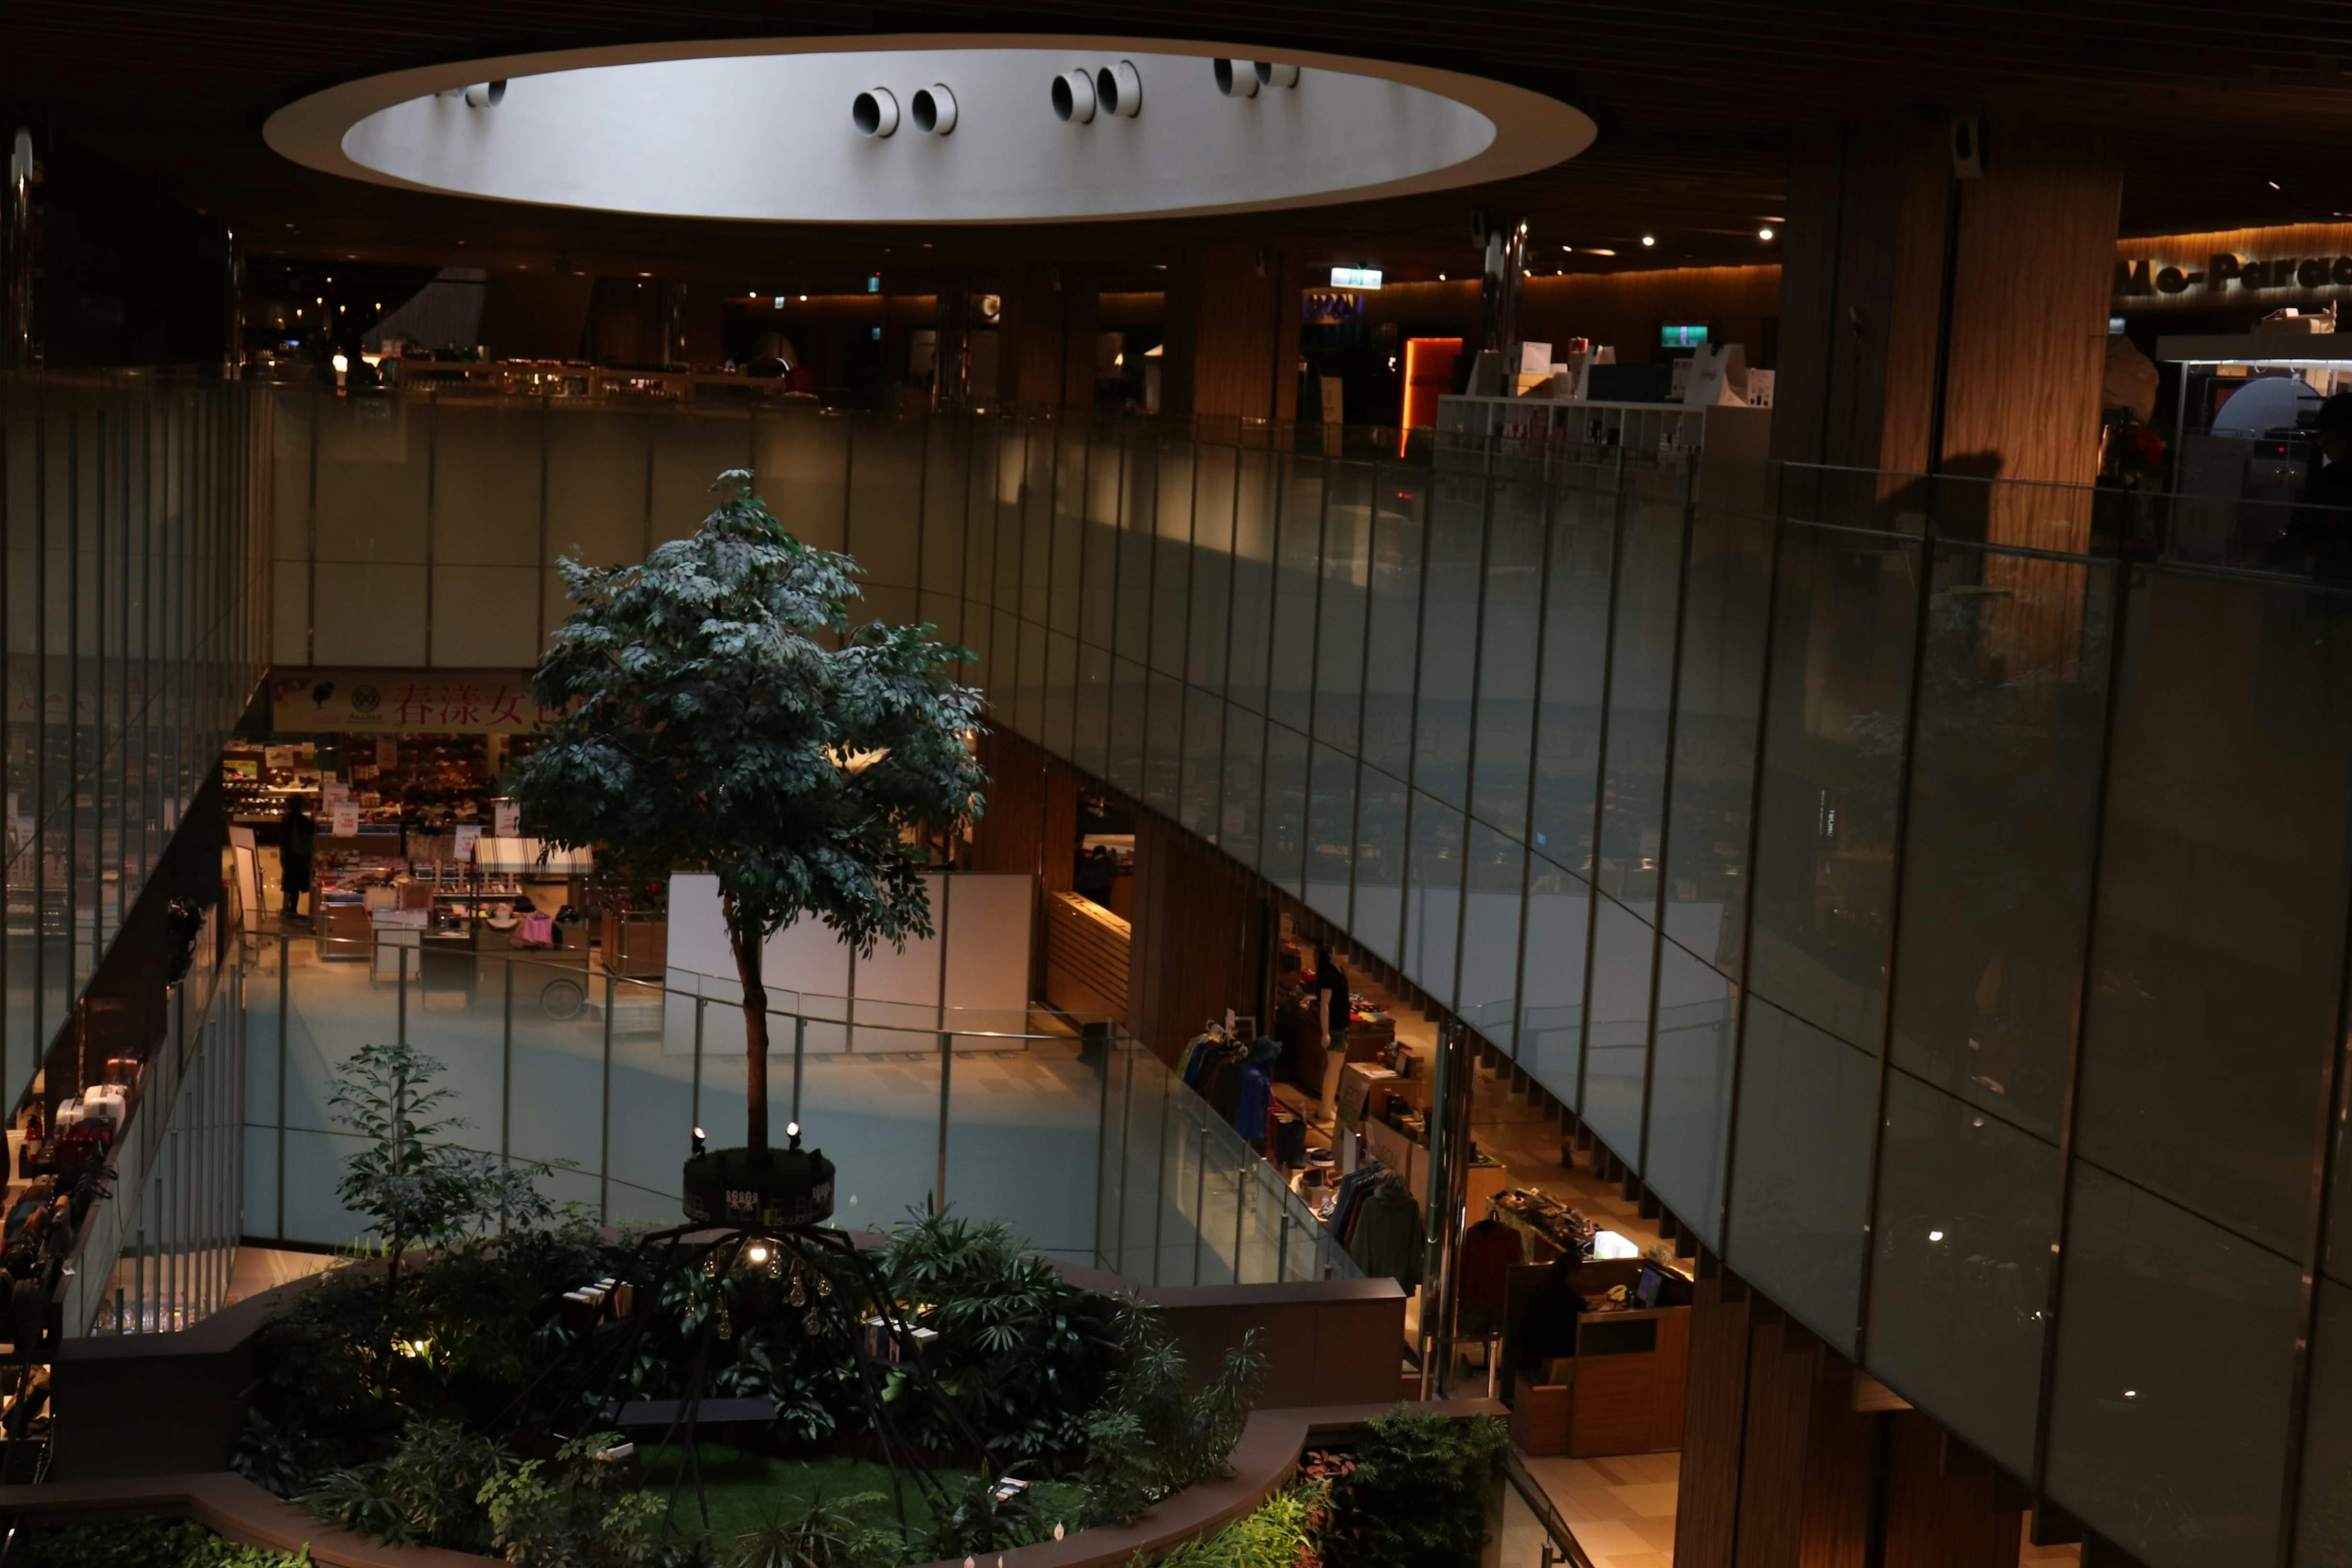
[812,1378]
[1417,1497]
[424,1493]
[417,1188]
[1022,1352]
[976,1520]
[1151,1437]
[829,1533]
[718,710]
[337,1385]
[1284,1531]
[139,1543]
[583,1511]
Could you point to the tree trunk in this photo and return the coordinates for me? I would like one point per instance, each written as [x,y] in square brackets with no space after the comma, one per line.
[747,947]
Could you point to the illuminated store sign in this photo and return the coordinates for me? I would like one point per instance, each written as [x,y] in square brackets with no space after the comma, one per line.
[2224,273]
[1355,277]
[2294,264]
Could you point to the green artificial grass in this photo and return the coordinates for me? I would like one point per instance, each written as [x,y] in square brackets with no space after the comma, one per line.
[746,1488]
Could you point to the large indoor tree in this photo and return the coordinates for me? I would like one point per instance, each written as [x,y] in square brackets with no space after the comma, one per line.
[716,711]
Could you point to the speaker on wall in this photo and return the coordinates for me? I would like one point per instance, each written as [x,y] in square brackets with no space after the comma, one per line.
[1968,146]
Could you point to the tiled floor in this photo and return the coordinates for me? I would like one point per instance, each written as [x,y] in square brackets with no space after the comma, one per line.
[1622,1511]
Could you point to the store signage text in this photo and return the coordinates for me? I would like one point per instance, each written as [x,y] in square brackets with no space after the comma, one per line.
[1355,277]
[391,702]
[2144,277]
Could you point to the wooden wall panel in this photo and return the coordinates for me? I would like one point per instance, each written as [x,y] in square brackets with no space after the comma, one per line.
[1086,956]
[1835,1532]
[2032,281]
[1198,929]
[1715,1404]
[1238,324]
[1859,298]
[1030,826]
[1939,1521]
[1773,1466]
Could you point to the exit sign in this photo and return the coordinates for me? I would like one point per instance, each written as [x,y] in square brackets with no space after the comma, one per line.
[1355,277]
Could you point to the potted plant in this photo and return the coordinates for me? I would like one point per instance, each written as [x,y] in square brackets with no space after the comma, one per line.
[717,709]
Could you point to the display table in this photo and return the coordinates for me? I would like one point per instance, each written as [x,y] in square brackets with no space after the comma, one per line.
[343,932]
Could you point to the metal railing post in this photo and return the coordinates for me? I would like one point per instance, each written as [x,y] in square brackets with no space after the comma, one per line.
[1200,1200]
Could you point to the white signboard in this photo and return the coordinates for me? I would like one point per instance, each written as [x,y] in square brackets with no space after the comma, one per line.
[468,831]
[347,820]
[505,820]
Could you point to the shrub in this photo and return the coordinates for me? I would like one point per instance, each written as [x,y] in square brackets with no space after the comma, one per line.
[1285,1531]
[425,1493]
[830,1533]
[474,1327]
[1023,1353]
[1151,1437]
[1417,1496]
[583,1512]
[139,1543]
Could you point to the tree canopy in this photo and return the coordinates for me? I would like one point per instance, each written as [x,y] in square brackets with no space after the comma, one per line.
[718,711]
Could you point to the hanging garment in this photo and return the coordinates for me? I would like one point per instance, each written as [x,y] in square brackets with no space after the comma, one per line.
[1289,1139]
[1388,1234]
[1488,1250]
[1249,1109]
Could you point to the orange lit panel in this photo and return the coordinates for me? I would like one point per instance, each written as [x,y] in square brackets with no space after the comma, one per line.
[1428,375]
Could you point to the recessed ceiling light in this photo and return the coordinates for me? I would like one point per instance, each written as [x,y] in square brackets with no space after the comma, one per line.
[1763,233]
[1649,239]
[2273,184]
[1598,250]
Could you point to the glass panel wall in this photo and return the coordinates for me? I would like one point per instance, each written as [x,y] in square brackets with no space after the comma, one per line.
[1837,867]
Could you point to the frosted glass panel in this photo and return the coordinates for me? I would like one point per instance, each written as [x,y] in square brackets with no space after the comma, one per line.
[486,468]
[690,451]
[485,617]
[596,470]
[379,615]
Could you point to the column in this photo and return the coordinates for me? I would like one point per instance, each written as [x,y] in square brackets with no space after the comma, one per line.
[1501,273]
[1232,343]
[1935,319]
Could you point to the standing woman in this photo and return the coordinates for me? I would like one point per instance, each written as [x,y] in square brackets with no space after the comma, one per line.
[299,841]
[1329,988]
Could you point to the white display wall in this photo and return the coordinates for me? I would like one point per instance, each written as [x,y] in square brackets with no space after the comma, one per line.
[970,979]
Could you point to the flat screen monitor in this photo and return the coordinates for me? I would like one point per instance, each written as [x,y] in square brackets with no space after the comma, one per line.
[1647,1289]
[1682,334]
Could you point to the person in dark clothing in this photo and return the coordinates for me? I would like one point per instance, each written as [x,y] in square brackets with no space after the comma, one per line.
[2320,531]
[294,852]
[1548,1329]
[1329,991]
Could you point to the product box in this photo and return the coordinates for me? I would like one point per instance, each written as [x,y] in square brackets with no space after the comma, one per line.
[1527,359]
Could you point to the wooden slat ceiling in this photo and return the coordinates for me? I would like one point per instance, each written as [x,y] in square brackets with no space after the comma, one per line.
[2205,106]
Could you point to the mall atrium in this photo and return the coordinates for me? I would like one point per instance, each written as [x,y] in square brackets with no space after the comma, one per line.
[1395,911]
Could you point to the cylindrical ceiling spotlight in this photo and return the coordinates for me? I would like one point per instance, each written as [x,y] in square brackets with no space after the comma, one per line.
[1074,96]
[1278,76]
[1236,78]
[1121,89]
[486,94]
[875,112]
[933,109]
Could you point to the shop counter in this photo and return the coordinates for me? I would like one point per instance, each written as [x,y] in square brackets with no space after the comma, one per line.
[1621,1392]
[344,931]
